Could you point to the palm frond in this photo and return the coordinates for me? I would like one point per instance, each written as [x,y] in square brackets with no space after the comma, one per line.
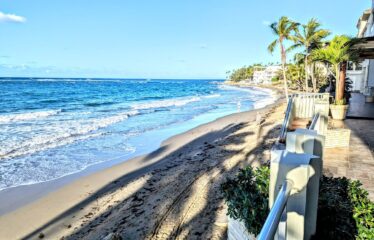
[272,46]
[274,28]
[293,47]
[299,58]
[336,52]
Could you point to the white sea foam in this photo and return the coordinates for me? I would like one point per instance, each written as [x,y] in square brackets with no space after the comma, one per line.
[59,135]
[263,102]
[27,116]
[228,87]
[50,170]
[176,102]
[213,96]
[39,151]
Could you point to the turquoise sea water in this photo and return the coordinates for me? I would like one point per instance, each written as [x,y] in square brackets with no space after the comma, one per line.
[51,128]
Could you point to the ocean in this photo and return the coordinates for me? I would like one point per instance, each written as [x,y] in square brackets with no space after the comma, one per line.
[50,128]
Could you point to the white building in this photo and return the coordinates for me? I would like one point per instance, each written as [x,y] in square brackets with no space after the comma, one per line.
[264,75]
[363,75]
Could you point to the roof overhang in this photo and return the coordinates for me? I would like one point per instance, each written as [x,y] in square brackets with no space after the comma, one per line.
[365,16]
[363,47]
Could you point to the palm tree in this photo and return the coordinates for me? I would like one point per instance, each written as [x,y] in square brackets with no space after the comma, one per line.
[337,53]
[284,30]
[310,37]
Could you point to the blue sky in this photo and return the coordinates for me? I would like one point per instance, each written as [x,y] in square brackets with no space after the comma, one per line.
[151,39]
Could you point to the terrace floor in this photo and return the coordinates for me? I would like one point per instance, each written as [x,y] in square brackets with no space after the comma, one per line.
[357,161]
[358,108]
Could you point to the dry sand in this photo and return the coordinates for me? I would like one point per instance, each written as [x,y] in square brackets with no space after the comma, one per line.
[171,193]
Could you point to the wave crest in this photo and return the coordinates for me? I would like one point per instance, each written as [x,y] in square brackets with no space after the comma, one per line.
[27,116]
[165,103]
[66,134]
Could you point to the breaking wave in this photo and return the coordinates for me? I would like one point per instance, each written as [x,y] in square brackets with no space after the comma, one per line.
[60,135]
[166,103]
[27,116]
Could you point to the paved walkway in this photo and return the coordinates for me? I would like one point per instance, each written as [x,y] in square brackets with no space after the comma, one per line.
[358,108]
[357,161]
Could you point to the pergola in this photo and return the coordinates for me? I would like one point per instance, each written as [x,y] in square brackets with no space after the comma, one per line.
[363,47]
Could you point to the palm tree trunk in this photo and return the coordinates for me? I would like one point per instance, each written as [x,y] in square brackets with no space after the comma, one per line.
[306,73]
[339,95]
[283,54]
[336,79]
[314,81]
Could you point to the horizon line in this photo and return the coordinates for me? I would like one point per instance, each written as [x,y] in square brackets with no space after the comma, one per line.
[111,78]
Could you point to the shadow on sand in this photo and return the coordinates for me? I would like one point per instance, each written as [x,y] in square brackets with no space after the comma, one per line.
[200,165]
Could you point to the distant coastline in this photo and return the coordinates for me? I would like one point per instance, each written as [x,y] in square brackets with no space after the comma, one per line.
[104,78]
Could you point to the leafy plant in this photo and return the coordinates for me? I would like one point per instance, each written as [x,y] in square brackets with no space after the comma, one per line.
[247,197]
[344,210]
[363,210]
[340,102]
[347,89]
[310,36]
[337,53]
[242,73]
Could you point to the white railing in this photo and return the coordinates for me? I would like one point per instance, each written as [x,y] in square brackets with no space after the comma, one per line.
[314,122]
[287,120]
[297,166]
[270,227]
[304,105]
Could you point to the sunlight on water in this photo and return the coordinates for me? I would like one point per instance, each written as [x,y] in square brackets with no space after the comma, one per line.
[50,128]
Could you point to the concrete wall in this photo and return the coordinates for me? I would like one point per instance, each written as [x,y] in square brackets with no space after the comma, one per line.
[370,82]
[358,79]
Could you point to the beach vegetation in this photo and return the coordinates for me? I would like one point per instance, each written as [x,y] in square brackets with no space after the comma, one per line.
[344,208]
[247,197]
[284,30]
[315,58]
[336,54]
[242,74]
[295,72]
[309,36]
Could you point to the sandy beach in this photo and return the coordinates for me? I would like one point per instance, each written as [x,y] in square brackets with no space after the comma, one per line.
[171,192]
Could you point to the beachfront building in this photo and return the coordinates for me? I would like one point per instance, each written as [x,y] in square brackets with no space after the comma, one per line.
[362,75]
[264,75]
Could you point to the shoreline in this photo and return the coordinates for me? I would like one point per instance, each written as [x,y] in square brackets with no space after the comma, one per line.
[67,197]
[14,197]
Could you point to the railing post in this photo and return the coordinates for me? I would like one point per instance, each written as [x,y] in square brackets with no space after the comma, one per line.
[277,214]
[298,168]
[309,142]
[300,162]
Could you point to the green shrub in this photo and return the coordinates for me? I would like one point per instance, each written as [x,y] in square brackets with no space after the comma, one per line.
[275,80]
[247,197]
[363,210]
[344,210]
[335,211]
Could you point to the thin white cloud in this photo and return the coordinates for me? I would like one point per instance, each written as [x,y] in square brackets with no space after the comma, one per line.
[266,23]
[6,17]
[203,46]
